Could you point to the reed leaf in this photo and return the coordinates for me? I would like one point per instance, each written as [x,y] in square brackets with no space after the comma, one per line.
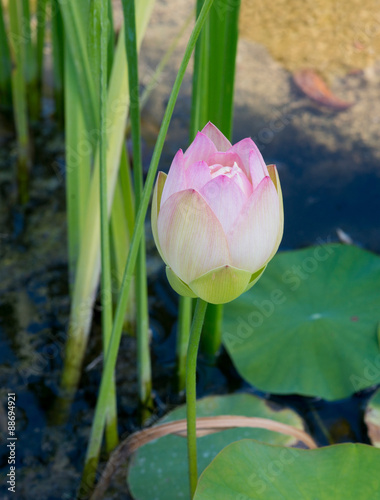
[141,287]
[17,49]
[93,450]
[213,101]
[59,49]
[5,66]
[88,268]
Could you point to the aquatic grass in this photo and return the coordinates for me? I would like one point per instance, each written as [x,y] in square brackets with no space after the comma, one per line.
[75,18]
[93,450]
[213,101]
[122,221]
[121,226]
[59,49]
[120,241]
[30,60]
[78,154]
[17,50]
[88,265]
[99,13]
[222,41]
[21,57]
[142,315]
[5,65]
[41,10]
[128,196]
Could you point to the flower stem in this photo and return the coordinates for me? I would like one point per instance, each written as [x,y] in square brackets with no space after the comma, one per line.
[183,334]
[100,7]
[191,393]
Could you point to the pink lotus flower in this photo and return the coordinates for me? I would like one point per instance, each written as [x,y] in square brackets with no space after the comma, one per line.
[217,217]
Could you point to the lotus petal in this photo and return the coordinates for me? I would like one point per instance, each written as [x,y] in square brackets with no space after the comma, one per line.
[221,285]
[199,150]
[276,181]
[225,198]
[176,180]
[257,167]
[220,141]
[243,148]
[191,237]
[226,159]
[254,235]
[156,203]
[197,175]
[178,285]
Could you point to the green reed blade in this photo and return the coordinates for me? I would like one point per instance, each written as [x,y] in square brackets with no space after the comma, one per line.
[88,268]
[5,66]
[125,179]
[93,450]
[78,165]
[141,287]
[99,11]
[59,49]
[17,50]
[41,9]
[75,19]
[122,223]
[213,88]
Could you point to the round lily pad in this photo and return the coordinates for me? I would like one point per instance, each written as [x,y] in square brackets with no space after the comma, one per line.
[309,325]
[248,470]
[158,470]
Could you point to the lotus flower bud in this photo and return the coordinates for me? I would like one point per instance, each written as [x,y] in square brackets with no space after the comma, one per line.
[217,217]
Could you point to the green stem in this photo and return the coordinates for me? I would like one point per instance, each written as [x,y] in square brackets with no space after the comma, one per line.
[142,320]
[59,51]
[213,101]
[106,296]
[122,222]
[92,455]
[19,97]
[5,66]
[75,27]
[40,39]
[183,334]
[30,62]
[211,343]
[186,303]
[78,164]
[191,392]
[126,184]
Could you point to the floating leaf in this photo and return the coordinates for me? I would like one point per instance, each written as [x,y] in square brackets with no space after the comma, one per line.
[248,470]
[158,471]
[309,325]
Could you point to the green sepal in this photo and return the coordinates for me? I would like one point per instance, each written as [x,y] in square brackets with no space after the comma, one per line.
[221,285]
[178,285]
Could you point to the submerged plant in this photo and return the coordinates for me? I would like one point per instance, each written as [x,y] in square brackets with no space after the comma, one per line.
[217,218]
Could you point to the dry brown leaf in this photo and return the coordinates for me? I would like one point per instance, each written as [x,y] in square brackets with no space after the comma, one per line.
[205,425]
